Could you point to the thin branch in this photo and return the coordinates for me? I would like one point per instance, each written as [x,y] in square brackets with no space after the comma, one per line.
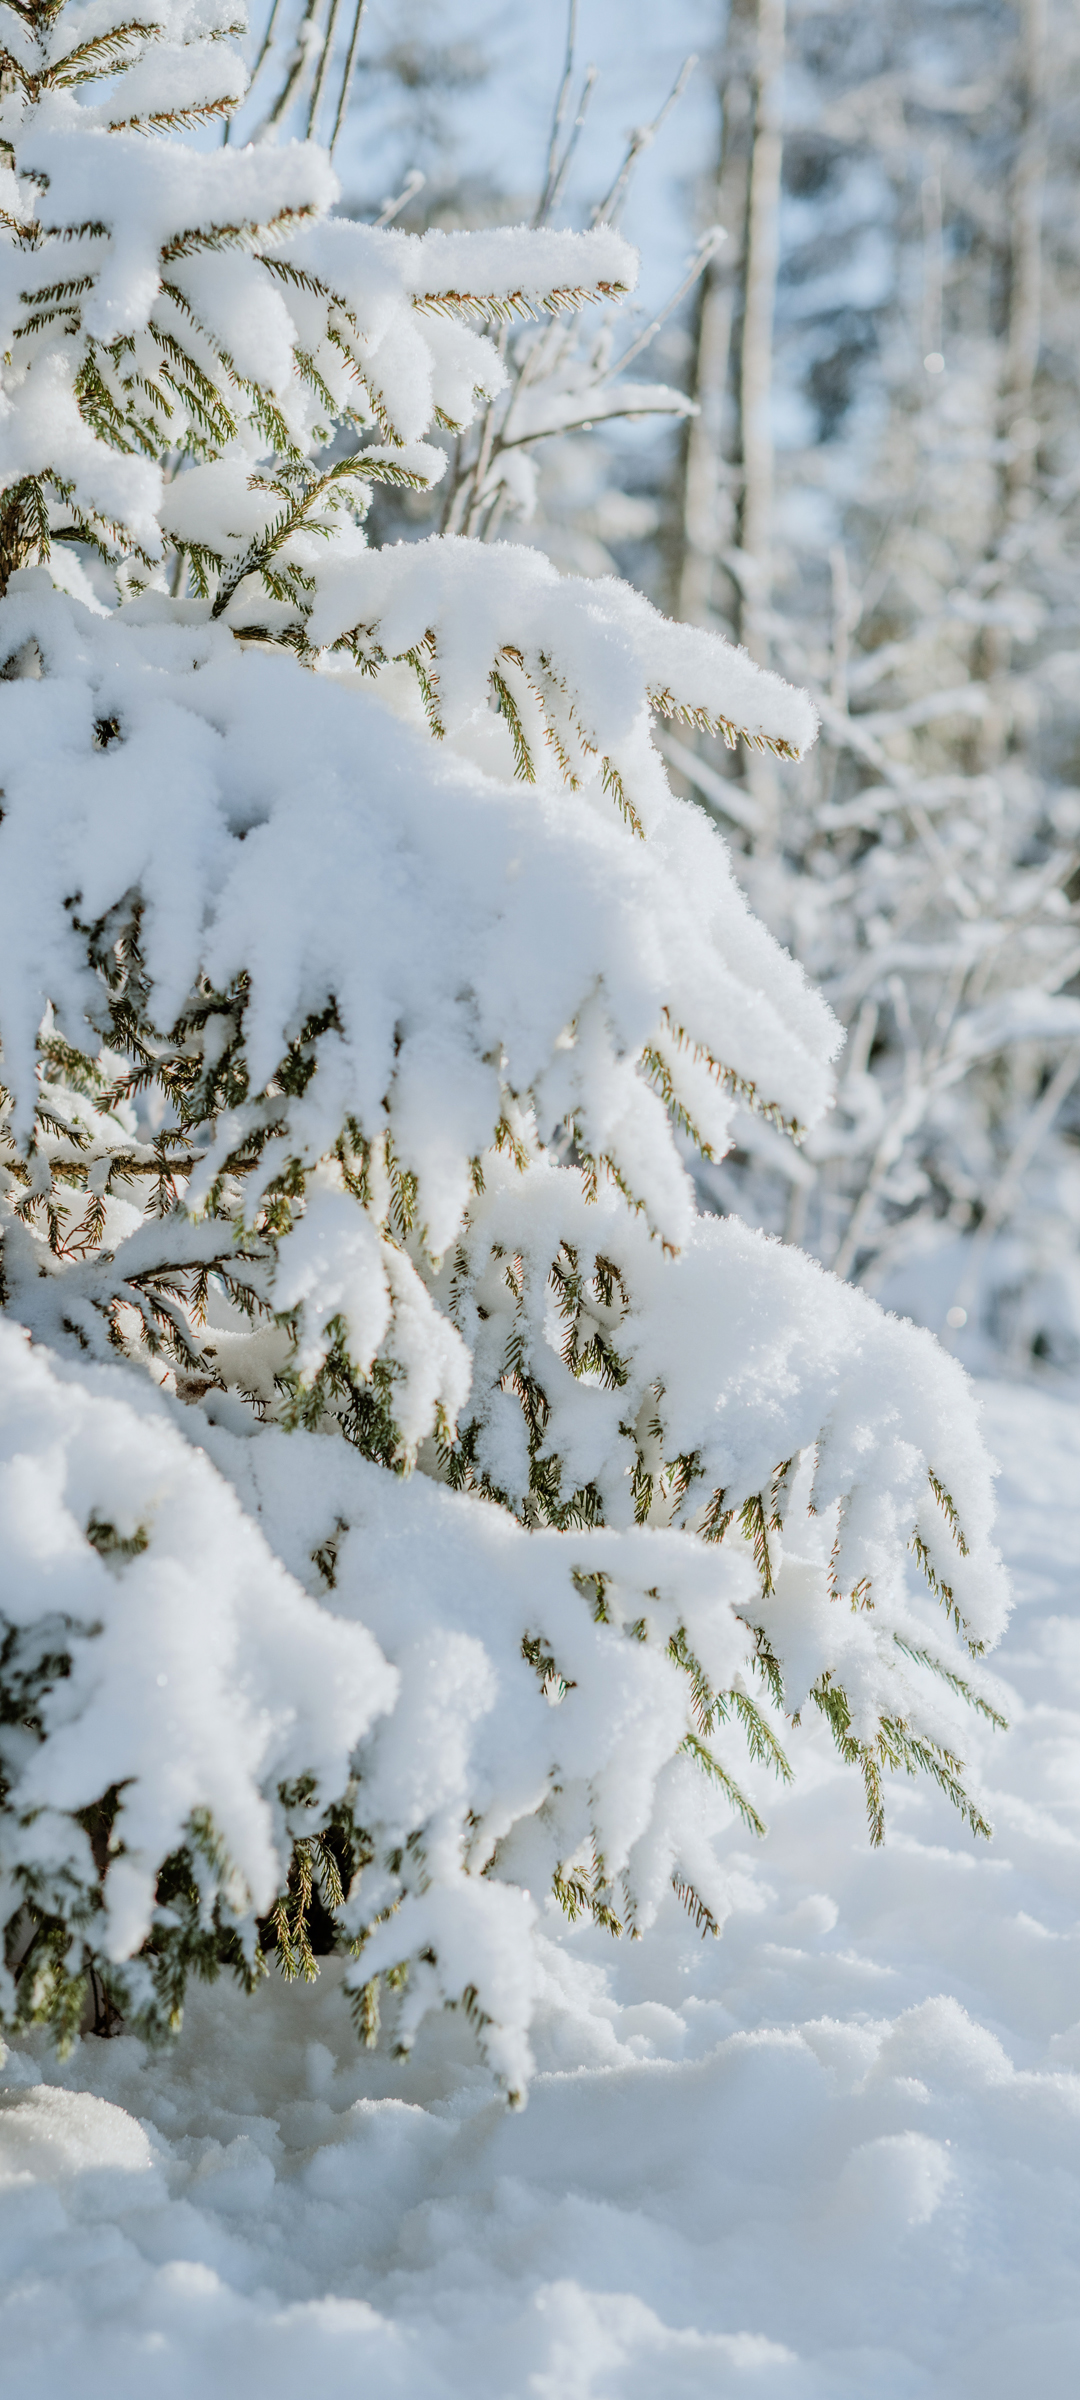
[294,75]
[346,80]
[414,182]
[587,90]
[264,47]
[703,255]
[641,139]
[547,196]
[267,37]
[320,72]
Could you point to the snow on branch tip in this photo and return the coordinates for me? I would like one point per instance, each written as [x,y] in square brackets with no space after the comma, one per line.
[519,270]
[472,602]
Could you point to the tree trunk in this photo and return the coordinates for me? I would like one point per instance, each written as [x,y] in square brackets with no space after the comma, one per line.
[993,651]
[710,477]
[1025,282]
[704,477]
[762,259]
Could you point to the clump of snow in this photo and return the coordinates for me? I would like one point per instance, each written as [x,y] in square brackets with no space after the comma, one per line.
[198,1677]
[744,1353]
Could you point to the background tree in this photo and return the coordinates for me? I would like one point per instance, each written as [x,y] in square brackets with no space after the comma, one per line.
[922,569]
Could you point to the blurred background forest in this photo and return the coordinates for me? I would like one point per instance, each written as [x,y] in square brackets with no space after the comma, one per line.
[839,423]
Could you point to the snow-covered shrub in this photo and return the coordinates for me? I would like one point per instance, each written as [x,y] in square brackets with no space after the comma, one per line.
[359,979]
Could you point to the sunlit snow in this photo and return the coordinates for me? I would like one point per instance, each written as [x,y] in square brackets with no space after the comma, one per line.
[832,2155]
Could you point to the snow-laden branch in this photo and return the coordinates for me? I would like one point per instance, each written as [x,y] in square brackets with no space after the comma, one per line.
[585,947]
[599,646]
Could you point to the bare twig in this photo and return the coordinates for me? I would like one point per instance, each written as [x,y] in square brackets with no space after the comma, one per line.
[642,138]
[705,252]
[294,74]
[587,89]
[561,102]
[320,71]
[264,46]
[347,76]
[414,182]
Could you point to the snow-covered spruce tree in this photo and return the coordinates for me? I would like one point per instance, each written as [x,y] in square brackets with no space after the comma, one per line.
[408,1502]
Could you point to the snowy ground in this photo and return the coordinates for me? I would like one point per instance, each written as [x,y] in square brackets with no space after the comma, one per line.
[836,2153]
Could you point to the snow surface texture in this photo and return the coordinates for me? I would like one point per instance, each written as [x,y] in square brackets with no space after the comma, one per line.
[829,2156]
